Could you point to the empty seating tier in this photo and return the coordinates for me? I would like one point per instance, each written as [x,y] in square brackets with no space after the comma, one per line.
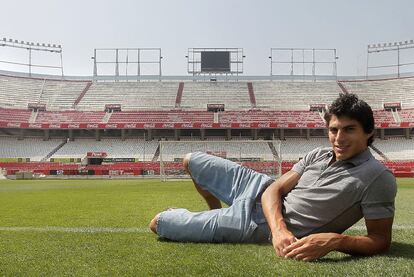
[234,95]
[115,148]
[378,92]
[69,117]
[15,115]
[292,149]
[130,95]
[18,92]
[293,95]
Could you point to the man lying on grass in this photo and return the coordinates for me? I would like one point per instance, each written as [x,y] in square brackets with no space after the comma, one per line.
[306,210]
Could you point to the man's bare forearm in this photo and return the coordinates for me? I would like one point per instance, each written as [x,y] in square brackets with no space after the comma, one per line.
[363,245]
[272,200]
[272,208]
[378,240]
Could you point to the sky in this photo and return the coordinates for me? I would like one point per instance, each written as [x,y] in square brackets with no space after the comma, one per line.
[256,26]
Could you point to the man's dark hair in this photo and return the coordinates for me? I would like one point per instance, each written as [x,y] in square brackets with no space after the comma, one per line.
[350,106]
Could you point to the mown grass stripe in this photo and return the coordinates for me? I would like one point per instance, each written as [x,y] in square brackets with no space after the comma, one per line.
[76,229]
[127,230]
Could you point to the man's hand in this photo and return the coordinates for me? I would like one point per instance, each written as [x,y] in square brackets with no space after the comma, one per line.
[312,247]
[281,240]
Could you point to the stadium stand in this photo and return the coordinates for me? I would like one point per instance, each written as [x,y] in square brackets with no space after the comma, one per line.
[396,149]
[234,95]
[130,95]
[267,107]
[32,148]
[15,115]
[18,92]
[84,91]
[406,115]
[292,149]
[69,117]
[161,117]
[61,95]
[378,92]
[293,95]
[382,116]
[115,148]
[233,149]
[281,117]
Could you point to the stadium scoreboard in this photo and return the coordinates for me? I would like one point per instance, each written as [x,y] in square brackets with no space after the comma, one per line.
[215,61]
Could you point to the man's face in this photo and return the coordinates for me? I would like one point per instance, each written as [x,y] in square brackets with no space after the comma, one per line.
[347,137]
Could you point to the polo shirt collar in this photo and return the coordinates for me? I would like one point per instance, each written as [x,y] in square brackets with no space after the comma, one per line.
[358,159]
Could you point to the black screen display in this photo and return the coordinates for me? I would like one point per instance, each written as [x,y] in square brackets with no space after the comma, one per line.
[215,61]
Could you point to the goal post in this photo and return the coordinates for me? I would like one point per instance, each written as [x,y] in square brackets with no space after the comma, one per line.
[262,156]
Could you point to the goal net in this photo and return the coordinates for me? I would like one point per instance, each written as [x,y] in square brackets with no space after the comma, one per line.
[262,156]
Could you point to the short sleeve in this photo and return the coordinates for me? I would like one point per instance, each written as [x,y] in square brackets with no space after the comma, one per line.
[300,166]
[378,200]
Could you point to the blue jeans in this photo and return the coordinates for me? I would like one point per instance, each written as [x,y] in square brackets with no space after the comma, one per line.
[239,187]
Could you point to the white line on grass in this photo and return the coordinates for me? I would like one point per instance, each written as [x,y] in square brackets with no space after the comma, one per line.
[394,227]
[76,229]
[136,230]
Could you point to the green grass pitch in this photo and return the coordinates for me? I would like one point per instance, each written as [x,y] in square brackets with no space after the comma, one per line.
[99,228]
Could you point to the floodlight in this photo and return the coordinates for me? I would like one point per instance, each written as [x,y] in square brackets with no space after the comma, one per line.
[31,46]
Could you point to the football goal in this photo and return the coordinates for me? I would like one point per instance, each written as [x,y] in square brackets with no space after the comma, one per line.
[262,156]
